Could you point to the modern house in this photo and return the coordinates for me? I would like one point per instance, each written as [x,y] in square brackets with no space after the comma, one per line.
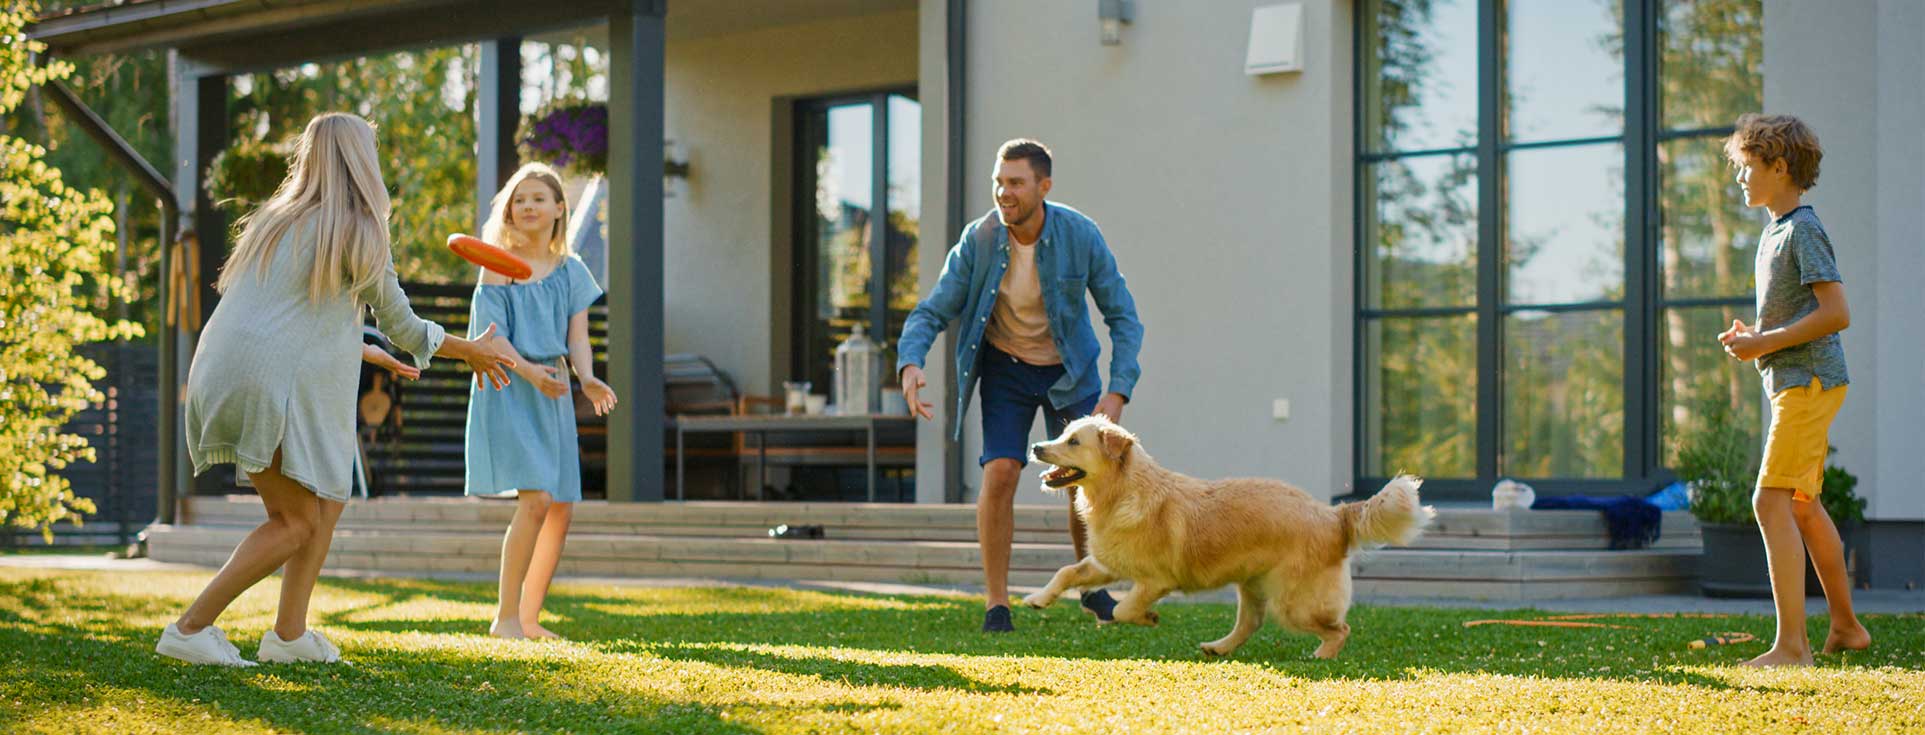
[1470,239]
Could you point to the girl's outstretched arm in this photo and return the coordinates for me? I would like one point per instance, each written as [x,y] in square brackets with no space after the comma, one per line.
[582,356]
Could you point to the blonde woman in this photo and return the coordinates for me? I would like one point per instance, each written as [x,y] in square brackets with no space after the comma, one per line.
[271,388]
[521,442]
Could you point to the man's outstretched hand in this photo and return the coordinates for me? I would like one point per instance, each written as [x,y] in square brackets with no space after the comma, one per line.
[912,383]
[1111,406]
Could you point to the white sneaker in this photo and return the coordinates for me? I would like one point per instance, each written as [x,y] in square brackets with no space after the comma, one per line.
[311,646]
[209,646]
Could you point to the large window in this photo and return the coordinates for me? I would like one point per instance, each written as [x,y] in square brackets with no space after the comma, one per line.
[860,203]
[1550,238]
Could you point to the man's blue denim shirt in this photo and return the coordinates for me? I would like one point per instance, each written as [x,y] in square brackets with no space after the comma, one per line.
[1071,259]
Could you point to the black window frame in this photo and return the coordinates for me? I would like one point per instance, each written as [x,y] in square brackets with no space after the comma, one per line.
[803,290]
[1644,300]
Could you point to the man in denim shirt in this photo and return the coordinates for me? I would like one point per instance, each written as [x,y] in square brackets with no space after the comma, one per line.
[1017,280]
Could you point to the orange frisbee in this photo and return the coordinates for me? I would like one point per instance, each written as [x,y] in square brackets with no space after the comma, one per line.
[475,251]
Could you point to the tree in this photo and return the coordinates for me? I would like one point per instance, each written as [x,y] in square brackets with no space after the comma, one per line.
[422,104]
[129,91]
[56,247]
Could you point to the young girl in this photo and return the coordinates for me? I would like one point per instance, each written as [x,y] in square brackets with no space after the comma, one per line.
[271,388]
[521,441]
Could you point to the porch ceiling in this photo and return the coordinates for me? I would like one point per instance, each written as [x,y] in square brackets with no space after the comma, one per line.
[249,35]
[702,18]
[246,35]
[697,18]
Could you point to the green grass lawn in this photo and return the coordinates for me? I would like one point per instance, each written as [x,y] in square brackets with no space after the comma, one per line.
[76,655]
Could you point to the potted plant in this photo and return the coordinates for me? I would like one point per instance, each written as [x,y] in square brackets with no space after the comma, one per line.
[1847,509]
[1718,463]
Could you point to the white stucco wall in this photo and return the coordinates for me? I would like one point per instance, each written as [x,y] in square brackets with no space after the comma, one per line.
[720,92]
[1856,73]
[1227,199]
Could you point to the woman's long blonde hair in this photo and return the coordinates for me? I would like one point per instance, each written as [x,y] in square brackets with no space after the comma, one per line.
[334,183]
[496,230]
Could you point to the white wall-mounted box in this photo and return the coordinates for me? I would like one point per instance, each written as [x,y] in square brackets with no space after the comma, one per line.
[1276,40]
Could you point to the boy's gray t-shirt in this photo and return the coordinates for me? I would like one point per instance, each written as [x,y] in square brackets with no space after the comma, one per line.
[1793,253]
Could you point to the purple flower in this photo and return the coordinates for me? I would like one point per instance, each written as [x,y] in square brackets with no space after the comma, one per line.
[569,134]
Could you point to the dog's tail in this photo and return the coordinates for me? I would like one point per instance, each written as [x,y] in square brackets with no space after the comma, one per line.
[1392,516]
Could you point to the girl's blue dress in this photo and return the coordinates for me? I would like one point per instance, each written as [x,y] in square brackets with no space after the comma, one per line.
[517,438]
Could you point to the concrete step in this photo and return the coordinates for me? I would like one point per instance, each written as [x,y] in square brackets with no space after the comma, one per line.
[1524,566]
[641,556]
[1513,592]
[487,545]
[1459,527]
[753,518]
[1504,530]
[1424,573]
[880,521]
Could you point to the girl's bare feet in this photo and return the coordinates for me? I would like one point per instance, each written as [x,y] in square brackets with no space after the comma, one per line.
[1850,637]
[506,629]
[534,630]
[1780,657]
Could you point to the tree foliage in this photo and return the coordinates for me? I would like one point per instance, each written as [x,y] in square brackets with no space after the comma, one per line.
[56,250]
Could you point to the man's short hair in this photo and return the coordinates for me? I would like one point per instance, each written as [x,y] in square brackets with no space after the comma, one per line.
[1024,149]
[1771,138]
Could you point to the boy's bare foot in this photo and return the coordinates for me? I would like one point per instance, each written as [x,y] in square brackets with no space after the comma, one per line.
[506,629]
[534,630]
[1848,638]
[1780,657]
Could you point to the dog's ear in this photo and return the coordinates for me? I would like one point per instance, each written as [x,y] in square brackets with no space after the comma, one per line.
[1116,441]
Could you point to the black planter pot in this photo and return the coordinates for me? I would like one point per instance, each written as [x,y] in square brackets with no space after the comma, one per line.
[1733,564]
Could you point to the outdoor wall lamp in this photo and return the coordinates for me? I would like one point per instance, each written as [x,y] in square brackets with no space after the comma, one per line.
[1111,16]
[674,168]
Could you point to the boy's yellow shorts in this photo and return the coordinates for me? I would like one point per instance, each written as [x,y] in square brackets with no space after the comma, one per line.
[1800,437]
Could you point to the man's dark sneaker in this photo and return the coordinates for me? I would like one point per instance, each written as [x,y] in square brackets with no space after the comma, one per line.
[996,620]
[1098,603]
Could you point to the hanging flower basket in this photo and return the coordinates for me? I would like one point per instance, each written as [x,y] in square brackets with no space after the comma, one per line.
[568,135]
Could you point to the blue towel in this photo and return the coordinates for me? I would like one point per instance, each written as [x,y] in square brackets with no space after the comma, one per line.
[1671,497]
[1633,522]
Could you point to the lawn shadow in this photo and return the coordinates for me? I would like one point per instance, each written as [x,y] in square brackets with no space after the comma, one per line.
[926,677]
[1387,643]
[948,624]
[64,667]
[404,589]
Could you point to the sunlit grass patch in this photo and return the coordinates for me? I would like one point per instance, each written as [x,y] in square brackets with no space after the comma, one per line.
[77,651]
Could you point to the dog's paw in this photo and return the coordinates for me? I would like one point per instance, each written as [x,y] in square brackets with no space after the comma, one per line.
[1147,619]
[1039,601]
[1217,649]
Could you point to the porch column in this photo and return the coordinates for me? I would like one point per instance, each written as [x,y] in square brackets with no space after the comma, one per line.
[498,106]
[210,227]
[635,305]
[200,132]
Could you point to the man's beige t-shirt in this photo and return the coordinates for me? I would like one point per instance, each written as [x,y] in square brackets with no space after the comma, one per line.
[1019,326]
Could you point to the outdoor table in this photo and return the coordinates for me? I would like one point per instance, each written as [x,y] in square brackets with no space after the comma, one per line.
[762,426]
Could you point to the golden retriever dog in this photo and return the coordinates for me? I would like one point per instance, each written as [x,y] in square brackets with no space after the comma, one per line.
[1286,552]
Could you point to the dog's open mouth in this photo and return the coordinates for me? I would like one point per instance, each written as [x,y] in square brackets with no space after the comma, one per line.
[1062,476]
